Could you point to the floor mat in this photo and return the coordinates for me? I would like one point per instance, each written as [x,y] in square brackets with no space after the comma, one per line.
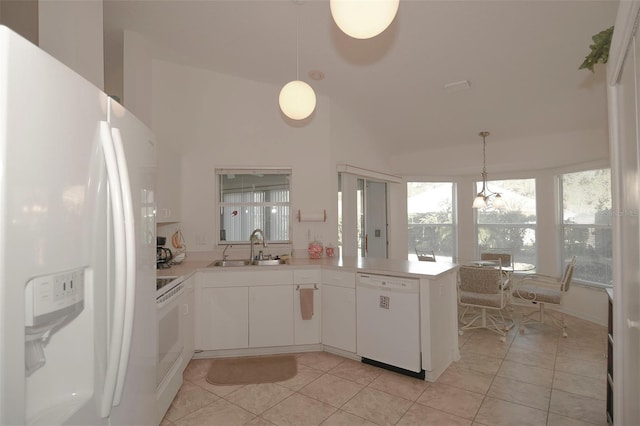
[252,370]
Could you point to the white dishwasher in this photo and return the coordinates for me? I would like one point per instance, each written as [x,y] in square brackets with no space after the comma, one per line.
[388,323]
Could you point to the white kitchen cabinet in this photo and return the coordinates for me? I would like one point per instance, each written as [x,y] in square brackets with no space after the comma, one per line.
[270,316]
[223,318]
[339,310]
[187,325]
[307,332]
[168,179]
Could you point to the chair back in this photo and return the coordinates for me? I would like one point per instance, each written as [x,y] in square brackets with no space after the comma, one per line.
[480,280]
[424,256]
[568,275]
[503,258]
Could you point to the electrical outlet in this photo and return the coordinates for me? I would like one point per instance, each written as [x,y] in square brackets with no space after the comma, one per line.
[201,239]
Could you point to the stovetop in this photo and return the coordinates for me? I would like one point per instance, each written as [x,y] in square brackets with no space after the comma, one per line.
[164,281]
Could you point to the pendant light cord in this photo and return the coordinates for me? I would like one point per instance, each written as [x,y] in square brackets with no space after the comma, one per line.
[298,44]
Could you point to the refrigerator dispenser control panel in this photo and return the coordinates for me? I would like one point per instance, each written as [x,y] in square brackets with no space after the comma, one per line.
[50,296]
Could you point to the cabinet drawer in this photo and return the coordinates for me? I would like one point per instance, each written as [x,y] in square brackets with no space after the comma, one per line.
[339,278]
[306,276]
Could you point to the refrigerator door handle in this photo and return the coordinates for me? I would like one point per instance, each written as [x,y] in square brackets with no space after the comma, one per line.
[120,256]
[130,245]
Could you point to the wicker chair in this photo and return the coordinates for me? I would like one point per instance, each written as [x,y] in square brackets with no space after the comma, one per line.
[486,289]
[542,290]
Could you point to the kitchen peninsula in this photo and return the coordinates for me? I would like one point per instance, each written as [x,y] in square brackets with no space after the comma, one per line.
[251,310]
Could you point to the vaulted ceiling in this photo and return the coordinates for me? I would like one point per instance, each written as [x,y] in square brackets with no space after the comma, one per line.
[520,58]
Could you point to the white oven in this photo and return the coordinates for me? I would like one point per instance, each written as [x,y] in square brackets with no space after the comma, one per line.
[170,340]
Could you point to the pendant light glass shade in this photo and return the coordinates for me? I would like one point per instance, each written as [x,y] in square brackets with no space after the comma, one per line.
[297,100]
[363,19]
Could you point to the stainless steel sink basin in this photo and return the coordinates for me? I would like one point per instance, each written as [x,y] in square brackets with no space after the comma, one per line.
[243,262]
[269,262]
[230,262]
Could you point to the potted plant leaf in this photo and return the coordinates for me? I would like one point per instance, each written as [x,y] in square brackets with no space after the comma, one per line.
[599,50]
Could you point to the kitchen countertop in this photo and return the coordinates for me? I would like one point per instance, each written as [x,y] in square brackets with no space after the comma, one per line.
[403,268]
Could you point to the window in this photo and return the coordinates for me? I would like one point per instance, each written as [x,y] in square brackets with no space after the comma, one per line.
[513,227]
[251,199]
[430,219]
[586,224]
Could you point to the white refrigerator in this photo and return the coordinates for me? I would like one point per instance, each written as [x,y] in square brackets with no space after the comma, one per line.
[77,249]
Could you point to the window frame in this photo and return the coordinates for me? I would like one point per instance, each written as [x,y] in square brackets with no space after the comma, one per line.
[219,204]
[477,185]
[562,226]
[454,215]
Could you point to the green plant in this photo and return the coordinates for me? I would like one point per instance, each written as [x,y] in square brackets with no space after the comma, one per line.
[599,49]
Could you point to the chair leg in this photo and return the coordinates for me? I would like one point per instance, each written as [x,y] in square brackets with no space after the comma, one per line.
[541,313]
[496,325]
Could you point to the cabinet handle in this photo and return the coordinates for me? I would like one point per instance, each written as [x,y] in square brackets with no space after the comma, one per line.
[633,324]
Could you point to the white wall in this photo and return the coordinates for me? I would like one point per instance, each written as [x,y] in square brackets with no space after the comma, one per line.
[72,32]
[136,76]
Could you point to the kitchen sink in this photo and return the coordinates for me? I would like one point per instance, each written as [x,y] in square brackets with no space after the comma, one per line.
[244,262]
[269,262]
[230,262]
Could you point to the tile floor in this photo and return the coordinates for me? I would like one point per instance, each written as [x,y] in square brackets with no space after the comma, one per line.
[536,378]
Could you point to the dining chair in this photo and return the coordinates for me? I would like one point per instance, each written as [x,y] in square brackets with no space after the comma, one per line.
[544,290]
[425,256]
[487,289]
[505,259]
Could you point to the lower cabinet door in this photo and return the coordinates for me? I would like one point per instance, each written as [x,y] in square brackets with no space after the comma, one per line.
[270,316]
[307,331]
[223,318]
[339,317]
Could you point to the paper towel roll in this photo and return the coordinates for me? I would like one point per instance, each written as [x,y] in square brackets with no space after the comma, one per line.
[312,216]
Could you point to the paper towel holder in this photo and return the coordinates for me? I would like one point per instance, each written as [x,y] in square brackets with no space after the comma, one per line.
[312,216]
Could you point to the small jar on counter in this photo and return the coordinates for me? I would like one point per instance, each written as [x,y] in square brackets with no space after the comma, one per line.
[330,251]
[315,249]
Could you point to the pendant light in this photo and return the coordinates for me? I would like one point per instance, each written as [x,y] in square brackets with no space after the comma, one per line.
[482,199]
[363,19]
[297,99]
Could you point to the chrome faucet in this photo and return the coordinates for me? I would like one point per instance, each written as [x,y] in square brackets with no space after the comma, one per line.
[224,252]
[252,237]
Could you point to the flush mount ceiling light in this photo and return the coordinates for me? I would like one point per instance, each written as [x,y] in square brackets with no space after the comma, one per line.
[297,99]
[363,19]
[482,199]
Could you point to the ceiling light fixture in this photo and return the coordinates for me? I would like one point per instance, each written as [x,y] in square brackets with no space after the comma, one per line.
[363,19]
[297,99]
[482,199]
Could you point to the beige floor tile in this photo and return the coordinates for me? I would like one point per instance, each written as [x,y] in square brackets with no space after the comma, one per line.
[190,398]
[332,390]
[219,413]
[166,422]
[342,418]
[464,378]
[377,406]
[534,359]
[496,412]
[585,350]
[303,377]
[323,361]
[259,398]
[421,415]
[581,385]
[520,392]
[259,421]
[594,369]
[399,385]
[558,420]
[478,362]
[542,342]
[298,410]
[526,373]
[590,410]
[356,371]
[459,402]
[489,345]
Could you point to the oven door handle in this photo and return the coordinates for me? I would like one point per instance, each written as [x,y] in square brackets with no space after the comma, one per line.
[162,303]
